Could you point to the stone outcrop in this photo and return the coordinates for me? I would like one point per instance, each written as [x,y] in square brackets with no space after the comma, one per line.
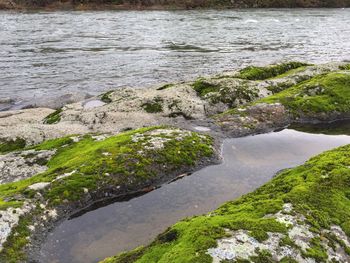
[185,105]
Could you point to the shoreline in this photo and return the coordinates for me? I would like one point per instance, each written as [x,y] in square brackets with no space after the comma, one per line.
[202,112]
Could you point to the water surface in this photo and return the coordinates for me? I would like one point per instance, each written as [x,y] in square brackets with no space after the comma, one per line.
[48,54]
[248,163]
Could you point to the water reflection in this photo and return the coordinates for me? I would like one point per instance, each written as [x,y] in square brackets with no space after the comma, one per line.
[248,163]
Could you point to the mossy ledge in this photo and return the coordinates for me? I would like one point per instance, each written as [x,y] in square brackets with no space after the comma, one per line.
[322,98]
[261,73]
[302,214]
[87,168]
[326,93]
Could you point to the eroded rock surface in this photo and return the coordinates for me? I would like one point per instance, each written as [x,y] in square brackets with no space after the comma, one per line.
[183,104]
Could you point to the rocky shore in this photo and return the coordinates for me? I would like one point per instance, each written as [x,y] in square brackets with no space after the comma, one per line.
[129,141]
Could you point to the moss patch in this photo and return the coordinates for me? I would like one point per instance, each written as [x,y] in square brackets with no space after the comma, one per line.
[153,106]
[53,117]
[203,87]
[318,190]
[166,86]
[261,73]
[12,248]
[105,97]
[12,145]
[345,67]
[324,93]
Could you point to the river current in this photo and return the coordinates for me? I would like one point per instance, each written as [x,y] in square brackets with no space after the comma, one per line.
[51,54]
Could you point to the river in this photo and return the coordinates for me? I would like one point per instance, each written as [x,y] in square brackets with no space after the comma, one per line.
[49,54]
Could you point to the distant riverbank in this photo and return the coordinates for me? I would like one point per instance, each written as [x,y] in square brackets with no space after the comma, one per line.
[166,4]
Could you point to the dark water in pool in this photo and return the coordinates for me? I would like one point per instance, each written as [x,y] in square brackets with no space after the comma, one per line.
[248,163]
[48,54]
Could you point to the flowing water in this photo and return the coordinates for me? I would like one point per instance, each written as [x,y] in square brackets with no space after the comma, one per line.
[49,54]
[248,163]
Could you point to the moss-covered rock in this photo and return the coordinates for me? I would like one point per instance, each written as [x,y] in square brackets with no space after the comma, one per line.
[12,145]
[328,93]
[105,97]
[261,73]
[53,117]
[302,214]
[85,168]
[153,106]
[324,97]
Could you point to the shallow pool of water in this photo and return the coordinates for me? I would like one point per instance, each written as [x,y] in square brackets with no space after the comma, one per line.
[247,163]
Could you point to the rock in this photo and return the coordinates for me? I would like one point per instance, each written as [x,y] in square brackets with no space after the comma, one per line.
[9,220]
[39,186]
[172,104]
[21,165]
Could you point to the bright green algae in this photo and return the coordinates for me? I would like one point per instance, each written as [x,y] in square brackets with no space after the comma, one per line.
[128,160]
[54,117]
[261,73]
[319,190]
[323,93]
[12,145]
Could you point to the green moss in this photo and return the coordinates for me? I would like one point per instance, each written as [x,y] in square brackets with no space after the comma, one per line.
[288,260]
[286,241]
[53,144]
[316,251]
[345,67]
[259,234]
[261,73]
[278,87]
[324,93]
[126,257]
[292,71]
[166,86]
[105,97]
[154,106]
[113,161]
[14,204]
[12,249]
[264,256]
[12,145]
[53,117]
[306,187]
[203,87]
